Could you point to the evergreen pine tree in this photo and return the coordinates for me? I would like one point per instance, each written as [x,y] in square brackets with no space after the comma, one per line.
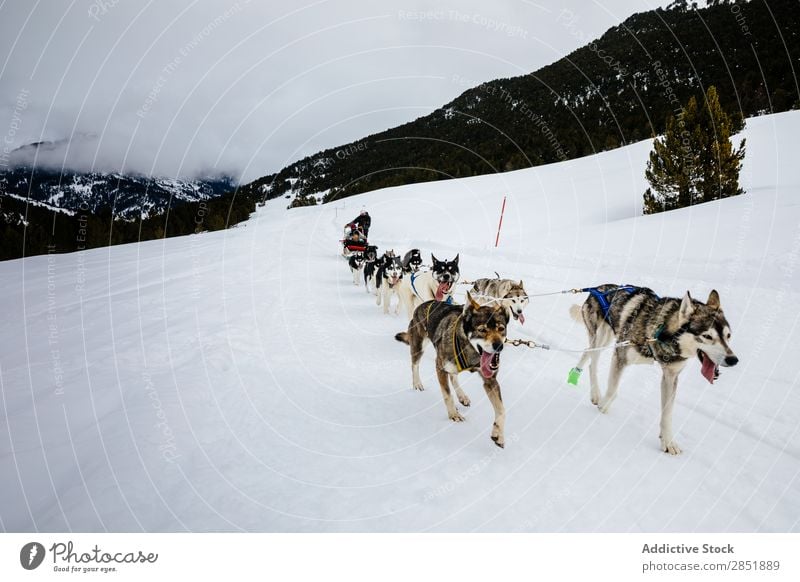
[695,161]
[670,165]
[719,165]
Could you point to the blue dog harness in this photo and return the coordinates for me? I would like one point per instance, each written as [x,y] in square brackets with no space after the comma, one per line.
[602,296]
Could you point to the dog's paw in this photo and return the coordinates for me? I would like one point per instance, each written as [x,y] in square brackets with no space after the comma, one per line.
[499,441]
[419,387]
[670,447]
[497,436]
[595,396]
[456,416]
[464,400]
[604,406]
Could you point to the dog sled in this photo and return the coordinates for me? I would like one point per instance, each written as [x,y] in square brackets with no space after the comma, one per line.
[354,241]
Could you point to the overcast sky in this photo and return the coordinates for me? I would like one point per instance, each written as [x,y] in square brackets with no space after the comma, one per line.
[182,88]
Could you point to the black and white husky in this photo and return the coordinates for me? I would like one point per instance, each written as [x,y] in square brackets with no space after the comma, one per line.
[389,274]
[371,264]
[356,262]
[412,261]
[373,272]
[666,330]
[436,284]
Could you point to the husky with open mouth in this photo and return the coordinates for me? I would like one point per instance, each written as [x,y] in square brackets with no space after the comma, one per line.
[667,330]
[390,274]
[507,292]
[437,284]
[467,338]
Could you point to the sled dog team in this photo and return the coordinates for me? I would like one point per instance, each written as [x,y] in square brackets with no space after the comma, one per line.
[470,337]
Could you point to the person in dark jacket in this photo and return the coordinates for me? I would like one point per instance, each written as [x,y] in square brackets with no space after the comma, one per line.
[363,221]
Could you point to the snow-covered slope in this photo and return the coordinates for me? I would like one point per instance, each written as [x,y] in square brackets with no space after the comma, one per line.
[238,380]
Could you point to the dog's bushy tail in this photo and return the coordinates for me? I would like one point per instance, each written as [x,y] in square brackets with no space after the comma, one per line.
[402,337]
[575,312]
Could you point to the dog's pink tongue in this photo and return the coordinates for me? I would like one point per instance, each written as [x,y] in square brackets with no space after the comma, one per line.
[521,319]
[486,370]
[441,290]
[708,368]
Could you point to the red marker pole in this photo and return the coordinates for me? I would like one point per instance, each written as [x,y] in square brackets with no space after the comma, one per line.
[499,226]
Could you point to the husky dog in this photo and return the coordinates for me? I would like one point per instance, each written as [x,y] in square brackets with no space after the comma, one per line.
[505,292]
[356,262]
[371,265]
[468,338]
[371,253]
[434,284]
[665,330]
[389,274]
[412,261]
[385,259]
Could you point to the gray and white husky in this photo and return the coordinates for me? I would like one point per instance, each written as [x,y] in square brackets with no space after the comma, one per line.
[506,292]
[666,330]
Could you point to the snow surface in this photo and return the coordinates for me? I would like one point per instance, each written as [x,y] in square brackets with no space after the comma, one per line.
[239,381]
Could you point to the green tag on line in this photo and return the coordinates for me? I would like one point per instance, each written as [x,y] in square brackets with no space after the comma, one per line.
[574,376]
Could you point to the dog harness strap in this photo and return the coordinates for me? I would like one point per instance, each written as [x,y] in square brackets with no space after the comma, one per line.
[428,314]
[602,296]
[668,345]
[461,365]
[601,299]
[414,289]
[656,338]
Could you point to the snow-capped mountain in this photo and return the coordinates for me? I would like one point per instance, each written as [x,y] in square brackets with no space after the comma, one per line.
[128,196]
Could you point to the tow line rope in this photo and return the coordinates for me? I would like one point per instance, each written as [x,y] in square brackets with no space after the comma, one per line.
[529,295]
[534,344]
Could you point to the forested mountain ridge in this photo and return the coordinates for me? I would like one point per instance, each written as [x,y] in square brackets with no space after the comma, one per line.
[613,91]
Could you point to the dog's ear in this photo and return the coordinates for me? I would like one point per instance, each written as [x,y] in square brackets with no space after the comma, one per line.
[466,319]
[434,260]
[686,309]
[469,308]
[521,286]
[456,260]
[713,300]
[471,304]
